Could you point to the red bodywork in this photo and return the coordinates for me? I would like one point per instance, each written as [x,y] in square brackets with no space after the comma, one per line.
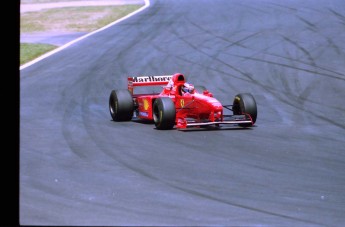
[198,108]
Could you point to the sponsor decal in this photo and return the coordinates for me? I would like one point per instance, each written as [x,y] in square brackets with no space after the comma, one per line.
[182,103]
[146,104]
[144,114]
[145,79]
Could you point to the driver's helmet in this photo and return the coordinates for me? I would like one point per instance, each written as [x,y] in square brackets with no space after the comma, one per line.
[187,88]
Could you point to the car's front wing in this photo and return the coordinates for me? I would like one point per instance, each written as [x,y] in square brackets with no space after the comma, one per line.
[242,120]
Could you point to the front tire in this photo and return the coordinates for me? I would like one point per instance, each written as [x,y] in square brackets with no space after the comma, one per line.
[245,103]
[164,113]
[121,105]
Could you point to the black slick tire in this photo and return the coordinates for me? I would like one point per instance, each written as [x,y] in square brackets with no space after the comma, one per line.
[164,113]
[121,105]
[244,103]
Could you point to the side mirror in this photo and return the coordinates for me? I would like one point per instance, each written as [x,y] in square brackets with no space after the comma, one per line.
[207,93]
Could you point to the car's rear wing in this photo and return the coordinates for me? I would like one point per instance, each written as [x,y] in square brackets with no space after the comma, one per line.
[147,81]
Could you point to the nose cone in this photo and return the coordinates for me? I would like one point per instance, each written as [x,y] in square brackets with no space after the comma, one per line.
[217,106]
[212,103]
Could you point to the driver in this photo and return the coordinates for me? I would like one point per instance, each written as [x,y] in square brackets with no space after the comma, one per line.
[187,88]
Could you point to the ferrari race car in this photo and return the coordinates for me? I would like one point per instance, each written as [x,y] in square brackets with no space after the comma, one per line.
[176,106]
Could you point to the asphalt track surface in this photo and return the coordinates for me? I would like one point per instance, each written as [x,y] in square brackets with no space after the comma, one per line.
[78,167]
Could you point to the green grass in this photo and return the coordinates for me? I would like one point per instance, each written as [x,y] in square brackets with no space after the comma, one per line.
[29,51]
[44,1]
[73,19]
[68,19]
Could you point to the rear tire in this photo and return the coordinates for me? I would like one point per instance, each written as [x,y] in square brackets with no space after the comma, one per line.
[164,113]
[121,105]
[245,103]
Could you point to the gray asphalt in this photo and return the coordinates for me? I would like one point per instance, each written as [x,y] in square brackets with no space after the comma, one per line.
[78,167]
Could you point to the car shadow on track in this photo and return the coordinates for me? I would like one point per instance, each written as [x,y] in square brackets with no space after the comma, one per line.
[198,129]
[215,128]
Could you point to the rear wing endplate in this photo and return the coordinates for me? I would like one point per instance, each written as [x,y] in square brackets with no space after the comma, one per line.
[147,81]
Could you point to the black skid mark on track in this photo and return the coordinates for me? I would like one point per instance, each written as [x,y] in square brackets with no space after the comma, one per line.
[273,91]
[305,63]
[221,38]
[293,67]
[199,194]
[310,25]
[339,16]
[334,46]
[288,8]
[202,195]
[216,59]
[302,49]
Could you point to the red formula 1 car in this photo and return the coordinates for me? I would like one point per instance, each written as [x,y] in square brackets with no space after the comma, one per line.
[177,106]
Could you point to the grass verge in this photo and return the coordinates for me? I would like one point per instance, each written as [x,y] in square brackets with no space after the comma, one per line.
[30,51]
[68,19]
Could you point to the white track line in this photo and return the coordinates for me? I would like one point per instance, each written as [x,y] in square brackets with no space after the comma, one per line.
[147,4]
[40,6]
